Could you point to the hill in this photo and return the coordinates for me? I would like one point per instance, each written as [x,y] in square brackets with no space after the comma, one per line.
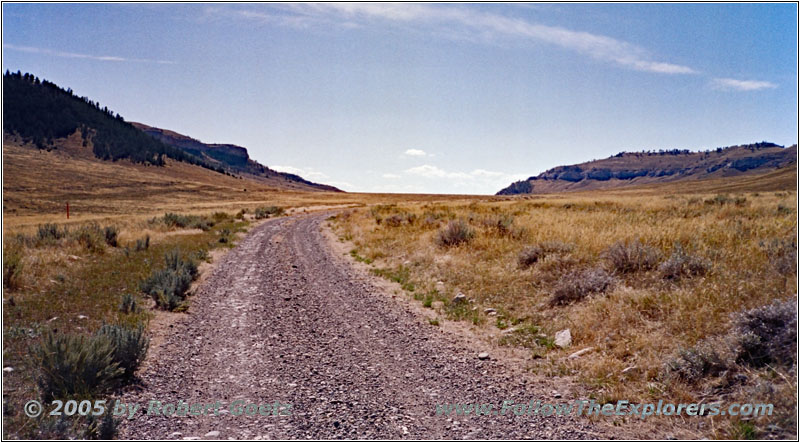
[41,114]
[645,168]
[226,156]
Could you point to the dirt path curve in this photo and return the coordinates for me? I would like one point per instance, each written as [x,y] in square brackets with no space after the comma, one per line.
[281,319]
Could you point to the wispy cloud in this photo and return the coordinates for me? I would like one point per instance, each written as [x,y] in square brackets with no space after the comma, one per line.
[466,23]
[64,54]
[416,153]
[742,85]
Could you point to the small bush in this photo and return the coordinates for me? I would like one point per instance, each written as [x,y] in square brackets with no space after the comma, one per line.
[396,220]
[240,215]
[533,254]
[74,366]
[49,232]
[12,267]
[719,199]
[632,257]
[501,225]
[692,365]
[782,255]
[143,244]
[681,264]
[576,285]
[220,216]
[110,233]
[268,211]
[455,233]
[168,286]
[130,347]
[90,237]
[767,335]
[128,304]
[187,221]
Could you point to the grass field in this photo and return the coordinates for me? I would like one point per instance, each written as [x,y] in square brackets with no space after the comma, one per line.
[650,284]
[654,279]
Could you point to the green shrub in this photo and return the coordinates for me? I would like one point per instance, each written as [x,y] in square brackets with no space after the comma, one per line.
[455,233]
[74,366]
[110,233]
[49,232]
[168,286]
[128,304]
[220,216]
[187,221]
[130,347]
[90,237]
[268,211]
[12,267]
[143,244]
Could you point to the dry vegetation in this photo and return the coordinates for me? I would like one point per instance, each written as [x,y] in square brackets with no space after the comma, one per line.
[81,292]
[650,283]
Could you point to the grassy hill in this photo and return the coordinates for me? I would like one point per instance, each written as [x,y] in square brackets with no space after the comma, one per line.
[226,156]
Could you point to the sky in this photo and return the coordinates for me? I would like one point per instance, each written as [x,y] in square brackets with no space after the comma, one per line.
[426,98]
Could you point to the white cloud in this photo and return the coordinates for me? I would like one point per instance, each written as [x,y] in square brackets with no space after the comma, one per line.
[306,173]
[742,85]
[470,24]
[390,176]
[477,177]
[415,153]
[430,171]
[103,58]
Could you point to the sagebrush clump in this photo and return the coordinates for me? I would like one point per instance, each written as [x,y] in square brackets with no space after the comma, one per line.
[12,267]
[578,284]
[268,211]
[632,257]
[683,265]
[456,232]
[130,347]
[110,233]
[536,253]
[168,286]
[767,335]
[74,366]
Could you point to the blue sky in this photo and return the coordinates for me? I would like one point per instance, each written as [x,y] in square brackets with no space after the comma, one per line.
[440,98]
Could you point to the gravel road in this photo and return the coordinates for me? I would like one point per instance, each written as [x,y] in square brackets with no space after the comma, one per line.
[281,319]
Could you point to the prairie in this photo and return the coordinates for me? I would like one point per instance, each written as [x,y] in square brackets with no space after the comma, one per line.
[647,279]
[652,283]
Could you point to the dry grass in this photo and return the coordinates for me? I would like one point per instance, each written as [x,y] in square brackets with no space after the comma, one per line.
[641,321]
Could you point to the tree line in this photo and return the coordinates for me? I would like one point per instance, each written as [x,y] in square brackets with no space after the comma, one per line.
[39,112]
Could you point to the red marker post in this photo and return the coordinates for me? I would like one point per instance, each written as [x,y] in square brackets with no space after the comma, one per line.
[67,210]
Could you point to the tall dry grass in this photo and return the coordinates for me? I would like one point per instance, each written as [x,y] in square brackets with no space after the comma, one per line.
[637,323]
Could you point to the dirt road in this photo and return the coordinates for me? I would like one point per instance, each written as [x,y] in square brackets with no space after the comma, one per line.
[282,319]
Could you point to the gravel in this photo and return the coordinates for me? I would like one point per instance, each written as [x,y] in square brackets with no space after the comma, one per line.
[280,319]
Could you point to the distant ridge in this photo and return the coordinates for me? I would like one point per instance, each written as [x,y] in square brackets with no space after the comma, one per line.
[226,156]
[637,168]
